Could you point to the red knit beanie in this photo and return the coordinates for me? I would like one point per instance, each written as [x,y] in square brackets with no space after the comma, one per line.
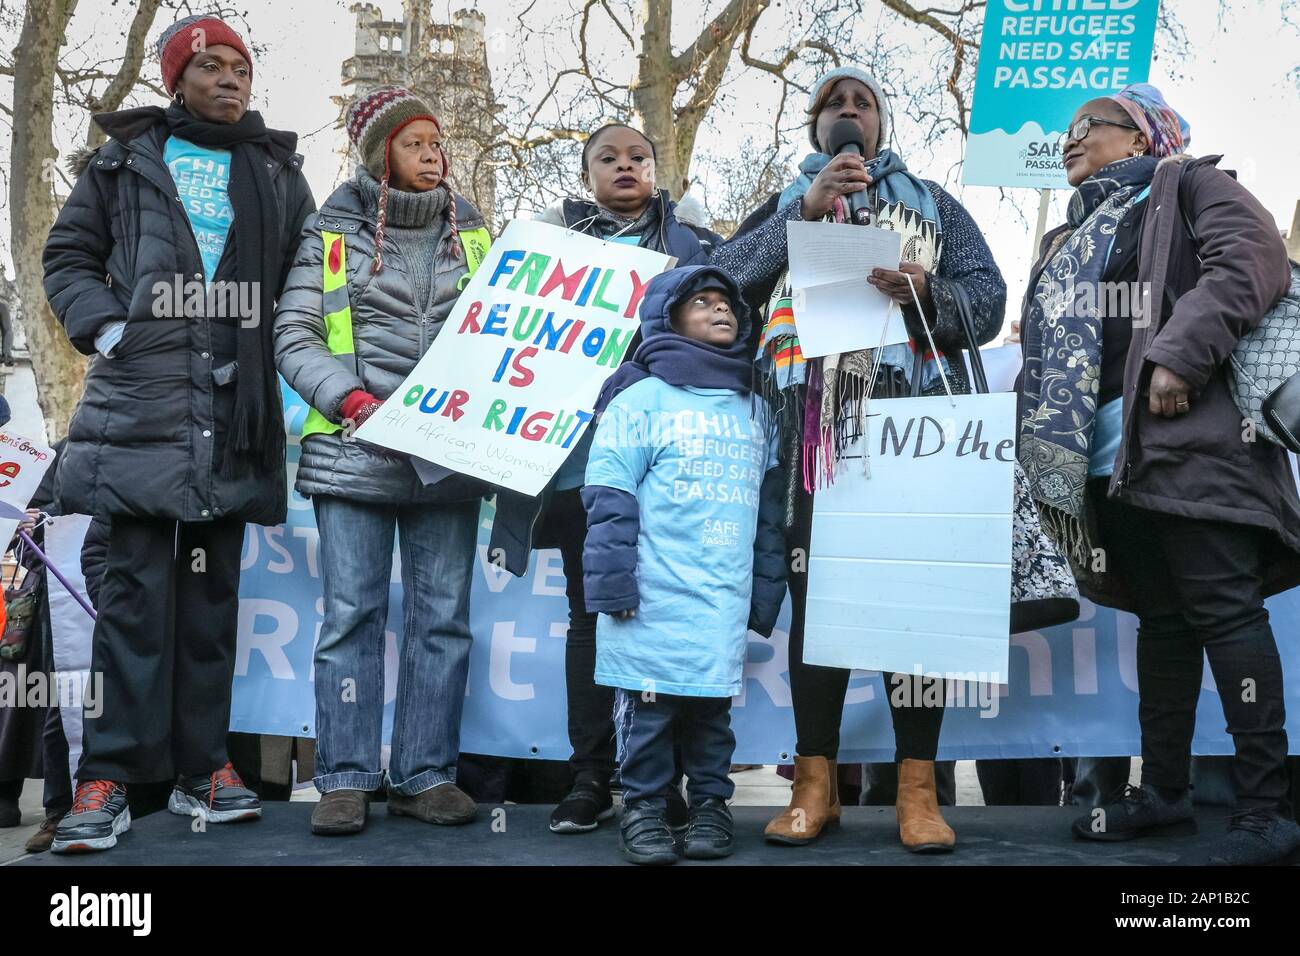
[372,122]
[184,38]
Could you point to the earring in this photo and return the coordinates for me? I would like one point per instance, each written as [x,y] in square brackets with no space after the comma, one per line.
[179,98]
[1138,152]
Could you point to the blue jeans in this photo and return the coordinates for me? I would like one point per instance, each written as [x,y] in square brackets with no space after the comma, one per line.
[356,556]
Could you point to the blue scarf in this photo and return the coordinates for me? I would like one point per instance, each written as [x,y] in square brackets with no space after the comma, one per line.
[893,185]
[1061,324]
[889,175]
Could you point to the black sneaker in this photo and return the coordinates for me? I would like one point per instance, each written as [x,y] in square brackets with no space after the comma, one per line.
[679,814]
[99,813]
[582,810]
[1134,811]
[1256,838]
[710,833]
[645,837]
[219,797]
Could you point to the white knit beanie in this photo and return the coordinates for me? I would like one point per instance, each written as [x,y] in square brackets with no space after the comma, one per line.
[867,80]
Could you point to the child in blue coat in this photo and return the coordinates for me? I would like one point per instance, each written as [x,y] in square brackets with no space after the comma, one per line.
[684,553]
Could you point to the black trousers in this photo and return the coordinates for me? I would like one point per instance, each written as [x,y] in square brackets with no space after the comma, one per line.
[591,706]
[818,692]
[165,645]
[1199,588]
[1026,782]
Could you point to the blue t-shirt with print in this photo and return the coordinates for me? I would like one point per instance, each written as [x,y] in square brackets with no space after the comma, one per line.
[202,178]
[695,460]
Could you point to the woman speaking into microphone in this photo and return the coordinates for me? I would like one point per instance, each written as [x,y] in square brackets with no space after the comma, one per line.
[943,255]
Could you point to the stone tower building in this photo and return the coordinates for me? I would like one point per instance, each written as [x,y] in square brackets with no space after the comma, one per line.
[446,64]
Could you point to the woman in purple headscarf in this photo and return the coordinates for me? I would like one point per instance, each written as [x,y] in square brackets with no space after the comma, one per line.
[1141,464]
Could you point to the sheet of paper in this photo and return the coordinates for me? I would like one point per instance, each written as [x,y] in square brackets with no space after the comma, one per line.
[835,308]
[430,473]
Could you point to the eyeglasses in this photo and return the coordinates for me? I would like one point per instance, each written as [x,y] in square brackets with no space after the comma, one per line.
[1079,131]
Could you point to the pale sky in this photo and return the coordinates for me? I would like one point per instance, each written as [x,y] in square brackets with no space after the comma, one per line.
[1239,88]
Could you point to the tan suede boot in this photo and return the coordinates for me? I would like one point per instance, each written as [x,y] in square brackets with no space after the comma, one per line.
[814,803]
[920,825]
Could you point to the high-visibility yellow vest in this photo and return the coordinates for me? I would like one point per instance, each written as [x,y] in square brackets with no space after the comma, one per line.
[338,309]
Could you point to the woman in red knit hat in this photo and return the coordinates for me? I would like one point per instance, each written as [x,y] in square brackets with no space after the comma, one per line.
[179,437]
[378,272]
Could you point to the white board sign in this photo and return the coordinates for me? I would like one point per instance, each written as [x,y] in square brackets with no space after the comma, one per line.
[909,569]
[23,462]
[506,390]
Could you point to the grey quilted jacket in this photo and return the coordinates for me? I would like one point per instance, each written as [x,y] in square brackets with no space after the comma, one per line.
[389,334]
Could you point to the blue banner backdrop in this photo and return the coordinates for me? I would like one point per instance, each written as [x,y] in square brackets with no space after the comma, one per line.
[1072,689]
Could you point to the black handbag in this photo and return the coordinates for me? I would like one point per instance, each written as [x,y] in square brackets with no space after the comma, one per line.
[1043,590]
[22,604]
[1281,412]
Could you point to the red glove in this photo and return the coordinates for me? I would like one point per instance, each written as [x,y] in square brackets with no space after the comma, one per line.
[358,406]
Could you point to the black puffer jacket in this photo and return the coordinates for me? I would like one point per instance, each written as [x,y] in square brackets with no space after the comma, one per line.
[148,437]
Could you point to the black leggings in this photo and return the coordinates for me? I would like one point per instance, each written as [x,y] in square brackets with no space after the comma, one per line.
[818,692]
[591,706]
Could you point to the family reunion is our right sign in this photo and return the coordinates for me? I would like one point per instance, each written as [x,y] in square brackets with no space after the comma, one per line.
[505,392]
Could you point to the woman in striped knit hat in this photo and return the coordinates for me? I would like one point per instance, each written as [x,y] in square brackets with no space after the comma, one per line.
[377,274]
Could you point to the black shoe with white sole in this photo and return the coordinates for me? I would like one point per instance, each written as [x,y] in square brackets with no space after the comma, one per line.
[219,797]
[98,815]
[581,811]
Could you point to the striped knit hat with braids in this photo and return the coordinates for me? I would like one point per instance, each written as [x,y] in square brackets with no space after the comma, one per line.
[372,122]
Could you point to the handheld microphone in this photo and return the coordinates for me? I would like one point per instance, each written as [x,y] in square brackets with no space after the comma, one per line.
[846,137]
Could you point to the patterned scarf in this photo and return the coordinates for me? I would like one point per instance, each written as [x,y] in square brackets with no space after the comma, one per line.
[823,400]
[1061,324]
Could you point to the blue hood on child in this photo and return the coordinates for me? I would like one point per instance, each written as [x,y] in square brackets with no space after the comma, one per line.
[674,358]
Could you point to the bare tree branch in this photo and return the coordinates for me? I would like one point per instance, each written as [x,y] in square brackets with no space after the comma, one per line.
[926,17]
[722,29]
[128,73]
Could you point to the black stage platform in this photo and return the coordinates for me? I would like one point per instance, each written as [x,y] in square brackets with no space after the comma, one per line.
[986,836]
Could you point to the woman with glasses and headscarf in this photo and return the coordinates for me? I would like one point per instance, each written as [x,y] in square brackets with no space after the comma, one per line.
[1141,464]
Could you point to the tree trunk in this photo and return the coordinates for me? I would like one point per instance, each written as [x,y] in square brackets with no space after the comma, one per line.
[652,95]
[58,367]
[659,74]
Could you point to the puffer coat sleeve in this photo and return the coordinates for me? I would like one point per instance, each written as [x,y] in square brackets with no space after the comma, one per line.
[75,260]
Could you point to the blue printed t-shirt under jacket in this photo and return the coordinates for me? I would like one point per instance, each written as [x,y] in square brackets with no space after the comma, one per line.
[202,178]
[695,459]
